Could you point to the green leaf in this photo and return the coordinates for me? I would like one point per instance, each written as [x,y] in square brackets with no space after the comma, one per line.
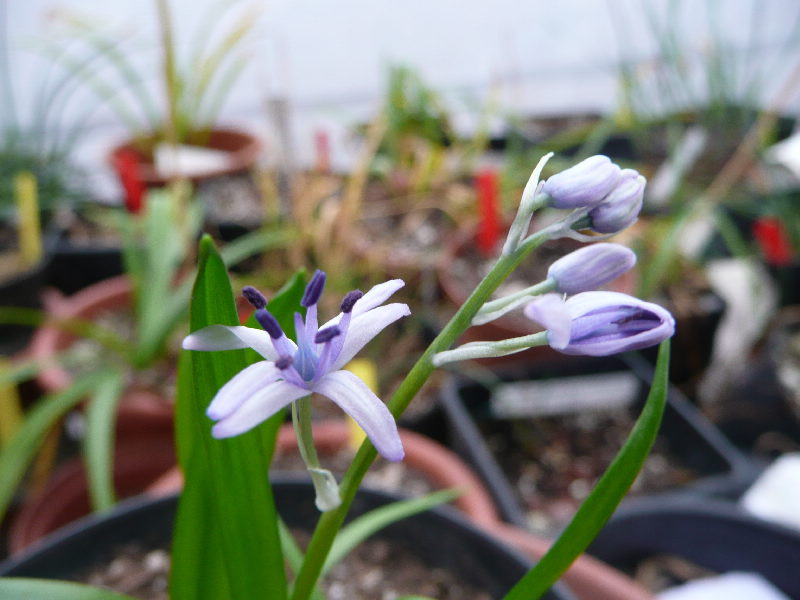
[358,530]
[98,446]
[20,449]
[607,494]
[227,513]
[15,588]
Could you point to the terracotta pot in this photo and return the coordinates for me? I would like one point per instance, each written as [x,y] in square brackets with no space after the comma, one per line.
[140,408]
[442,467]
[242,148]
[65,498]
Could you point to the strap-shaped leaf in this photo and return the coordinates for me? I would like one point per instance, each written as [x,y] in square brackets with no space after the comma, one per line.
[606,495]
[14,588]
[227,513]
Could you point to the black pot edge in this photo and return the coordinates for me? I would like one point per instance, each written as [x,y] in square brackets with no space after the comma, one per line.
[91,531]
[712,533]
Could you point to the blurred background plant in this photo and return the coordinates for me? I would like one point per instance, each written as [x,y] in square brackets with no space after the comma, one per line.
[122,347]
[109,61]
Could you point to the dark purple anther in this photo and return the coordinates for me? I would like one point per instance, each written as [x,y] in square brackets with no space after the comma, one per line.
[254,297]
[314,289]
[327,334]
[284,362]
[269,323]
[350,299]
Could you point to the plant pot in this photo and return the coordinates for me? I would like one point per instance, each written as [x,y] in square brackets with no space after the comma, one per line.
[761,407]
[83,252]
[711,534]
[65,498]
[21,290]
[242,149]
[140,408]
[539,467]
[438,465]
[438,537]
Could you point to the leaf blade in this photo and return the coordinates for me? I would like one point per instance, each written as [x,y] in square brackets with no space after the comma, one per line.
[606,495]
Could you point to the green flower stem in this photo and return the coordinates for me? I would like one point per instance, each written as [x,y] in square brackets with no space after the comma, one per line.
[491,349]
[331,521]
[496,308]
[324,483]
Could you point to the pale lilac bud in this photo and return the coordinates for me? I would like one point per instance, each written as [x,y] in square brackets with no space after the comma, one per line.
[621,207]
[590,267]
[584,184]
[600,323]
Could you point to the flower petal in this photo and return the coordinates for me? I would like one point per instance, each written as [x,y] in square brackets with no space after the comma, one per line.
[243,385]
[551,312]
[377,296]
[365,327]
[225,337]
[357,400]
[372,299]
[259,407]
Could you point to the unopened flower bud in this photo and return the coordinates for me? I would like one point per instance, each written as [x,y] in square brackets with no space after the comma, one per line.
[584,184]
[600,323]
[590,267]
[621,207]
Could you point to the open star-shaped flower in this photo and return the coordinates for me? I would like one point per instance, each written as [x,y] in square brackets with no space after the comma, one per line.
[313,364]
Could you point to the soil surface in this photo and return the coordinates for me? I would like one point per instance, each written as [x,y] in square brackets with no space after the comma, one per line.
[553,462]
[375,570]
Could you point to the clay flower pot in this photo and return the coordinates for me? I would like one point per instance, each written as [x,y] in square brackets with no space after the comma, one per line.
[65,498]
[438,464]
[242,149]
[140,408]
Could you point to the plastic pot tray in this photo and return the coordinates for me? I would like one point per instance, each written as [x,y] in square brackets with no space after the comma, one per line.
[470,406]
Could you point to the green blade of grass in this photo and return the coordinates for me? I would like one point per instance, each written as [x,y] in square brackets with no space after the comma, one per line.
[98,446]
[18,453]
[14,588]
[358,530]
[607,494]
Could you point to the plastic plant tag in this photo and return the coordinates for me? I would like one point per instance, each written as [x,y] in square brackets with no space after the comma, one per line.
[564,395]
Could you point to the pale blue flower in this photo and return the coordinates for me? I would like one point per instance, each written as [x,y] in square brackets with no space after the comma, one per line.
[590,267]
[582,185]
[600,323]
[314,364]
[620,209]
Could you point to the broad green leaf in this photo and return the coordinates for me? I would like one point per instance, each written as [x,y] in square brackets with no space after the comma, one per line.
[18,453]
[606,495]
[98,446]
[358,530]
[413,597]
[226,508]
[17,588]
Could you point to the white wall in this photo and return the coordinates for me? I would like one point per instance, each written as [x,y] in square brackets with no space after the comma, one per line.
[328,58]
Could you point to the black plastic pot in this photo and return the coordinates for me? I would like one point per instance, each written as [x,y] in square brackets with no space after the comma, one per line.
[22,291]
[712,534]
[720,468]
[440,537]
